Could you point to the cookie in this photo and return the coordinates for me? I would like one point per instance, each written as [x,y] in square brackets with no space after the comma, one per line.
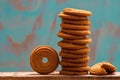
[73,73]
[73,32]
[76,60]
[74,27]
[68,64]
[78,41]
[71,17]
[69,36]
[97,69]
[77,12]
[67,55]
[75,69]
[36,59]
[83,51]
[78,22]
[70,45]
[102,68]
[109,67]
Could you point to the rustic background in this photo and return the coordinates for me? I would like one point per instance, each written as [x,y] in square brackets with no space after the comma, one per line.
[25,24]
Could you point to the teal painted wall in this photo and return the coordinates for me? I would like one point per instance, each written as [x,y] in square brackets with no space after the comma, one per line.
[25,24]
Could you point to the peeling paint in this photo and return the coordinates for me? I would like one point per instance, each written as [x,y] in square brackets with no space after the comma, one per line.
[1,26]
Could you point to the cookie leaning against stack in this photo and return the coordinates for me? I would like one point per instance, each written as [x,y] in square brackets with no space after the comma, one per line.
[75,27]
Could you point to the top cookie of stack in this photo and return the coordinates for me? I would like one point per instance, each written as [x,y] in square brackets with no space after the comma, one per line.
[74,14]
[75,27]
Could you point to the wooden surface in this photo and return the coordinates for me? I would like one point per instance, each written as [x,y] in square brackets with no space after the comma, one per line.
[54,76]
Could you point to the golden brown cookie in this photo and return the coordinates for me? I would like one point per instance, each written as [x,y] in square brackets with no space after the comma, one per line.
[86,50]
[102,68]
[73,73]
[68,64]
[67,55]
[36,59]
[77,12]
[75,69]
[76,60]
[109,67]
[70,45]
[76,22]
[69,36]
[78,41]
[74,27]
[72,17]
[73,32]
[97,69]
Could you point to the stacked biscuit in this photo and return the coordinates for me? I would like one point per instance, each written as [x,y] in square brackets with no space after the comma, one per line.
[75,27]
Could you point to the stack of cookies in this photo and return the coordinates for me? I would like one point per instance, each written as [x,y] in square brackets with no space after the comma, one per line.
[75,27]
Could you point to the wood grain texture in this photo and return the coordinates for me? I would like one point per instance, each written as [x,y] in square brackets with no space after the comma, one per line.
[54,76]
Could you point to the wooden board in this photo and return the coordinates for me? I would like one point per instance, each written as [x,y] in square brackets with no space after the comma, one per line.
[54,76]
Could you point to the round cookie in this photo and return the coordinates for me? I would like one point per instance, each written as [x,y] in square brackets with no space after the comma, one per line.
[77,12]
[69,36]
[79,41]
[67,55]
[83,51]
[102,68]
[74,27]
[109,67]
[82,22]
[71,17]
[78,60]
[67,64]
[73,73]
[36,59]
[73,32]
[78,69]
[97,69]
[70,45]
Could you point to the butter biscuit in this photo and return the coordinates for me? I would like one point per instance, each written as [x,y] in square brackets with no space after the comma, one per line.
[110,68]
[71,17]
[74,27]
[76,60]
[69,36]
[73,32]
[67,55]
[36,59]
[80,22]
[77,12]
[70,45]
[85,50]
[76,69]
[68,64]
[97,69]
[78,41]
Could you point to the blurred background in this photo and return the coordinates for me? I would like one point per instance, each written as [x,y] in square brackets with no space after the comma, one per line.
[25,24]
